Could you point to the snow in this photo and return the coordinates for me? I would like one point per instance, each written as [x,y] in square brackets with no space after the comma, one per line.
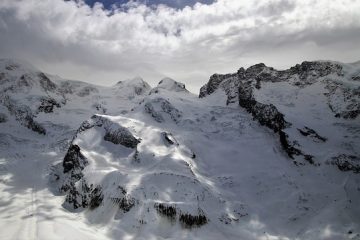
[240,177]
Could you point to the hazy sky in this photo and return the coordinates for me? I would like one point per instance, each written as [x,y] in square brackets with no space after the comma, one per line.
[181,39]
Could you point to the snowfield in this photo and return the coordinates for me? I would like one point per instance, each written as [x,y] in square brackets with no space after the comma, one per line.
[262,154]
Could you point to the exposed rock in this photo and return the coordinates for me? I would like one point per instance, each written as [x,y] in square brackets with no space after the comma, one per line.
[169,139]
[308,132]
[23,115]
[74,159]
[47,105]
[114,133]
[241,85]
[46,83]
[99,107]
[189,220]
[125,203]
[346,163]
[214,83]
[96,197]
[159,106]
[121,136]
[166,210]
[310,71]
[149,108]
[3,118]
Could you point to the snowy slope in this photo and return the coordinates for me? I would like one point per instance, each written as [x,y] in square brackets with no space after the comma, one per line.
[135,162]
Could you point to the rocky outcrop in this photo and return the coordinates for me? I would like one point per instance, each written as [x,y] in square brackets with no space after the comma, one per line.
[3,118]
[46,84]
[74,160]
[269,116]
[159,107]
[23,115]
[166,210]
[308,132]
[189,220]
[114,133]
[169,139]
[346,163]
[71,180]
[47,105]
[121,136]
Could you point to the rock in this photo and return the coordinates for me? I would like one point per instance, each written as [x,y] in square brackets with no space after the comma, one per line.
[114,133]
[159,107]
[121,136]
[169,139]
[96,197]
[74,159]
[47,105]
[46,83]
[346,162]
[189,221]
[23,115]
[308,132]
[166,210]
[3,118]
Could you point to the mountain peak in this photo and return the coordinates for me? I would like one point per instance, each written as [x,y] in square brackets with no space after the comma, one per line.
[171,85]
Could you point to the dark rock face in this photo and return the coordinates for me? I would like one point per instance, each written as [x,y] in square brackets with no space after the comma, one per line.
[73,164]
[30,123]
[124,201]
[46,83]
[269,116]
[74,159]
[346,163]
[96,198]
[314,70]
[114,133]
[149,108]
[121,136]
[190,221]
[169,139]
[308,132]
[213,84]
[23,115]
[166,210]
[47,105]
[350,97]
[159,106]
[3,118]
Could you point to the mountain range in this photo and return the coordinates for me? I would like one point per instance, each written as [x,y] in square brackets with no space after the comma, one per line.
[257,154]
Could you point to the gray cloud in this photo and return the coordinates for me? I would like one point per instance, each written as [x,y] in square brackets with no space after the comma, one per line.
[101,46]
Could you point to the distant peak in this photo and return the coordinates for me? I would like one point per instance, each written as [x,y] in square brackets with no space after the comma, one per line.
[171,85]
[137,84]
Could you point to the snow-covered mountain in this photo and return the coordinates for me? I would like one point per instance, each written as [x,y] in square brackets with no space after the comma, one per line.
[259,154]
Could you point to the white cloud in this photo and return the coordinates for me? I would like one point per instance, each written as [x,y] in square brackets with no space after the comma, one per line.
[102,46]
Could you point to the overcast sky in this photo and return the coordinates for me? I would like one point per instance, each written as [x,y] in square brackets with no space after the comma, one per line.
[184,40]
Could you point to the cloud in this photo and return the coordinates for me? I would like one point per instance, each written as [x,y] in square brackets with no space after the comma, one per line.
[103,46]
